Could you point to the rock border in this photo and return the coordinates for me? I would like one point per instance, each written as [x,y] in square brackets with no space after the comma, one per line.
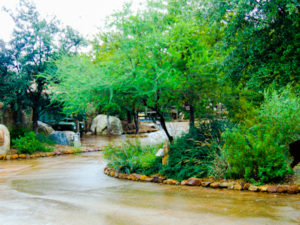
[44,154]
[207,182]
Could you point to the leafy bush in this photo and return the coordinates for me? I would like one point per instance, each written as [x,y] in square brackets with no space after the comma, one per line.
[133,158]
[44,139]
[219,166]
[29,144]
[192,154]
[258,150]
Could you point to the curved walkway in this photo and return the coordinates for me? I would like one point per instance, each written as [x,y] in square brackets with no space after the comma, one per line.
[73,190]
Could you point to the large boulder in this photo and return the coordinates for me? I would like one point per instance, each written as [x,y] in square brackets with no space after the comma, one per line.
[44,128]
[63,137]
[99,125]
[4,139]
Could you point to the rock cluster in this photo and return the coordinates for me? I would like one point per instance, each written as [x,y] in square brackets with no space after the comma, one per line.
[44,154]
[207,182]
[99,125]
[136,177]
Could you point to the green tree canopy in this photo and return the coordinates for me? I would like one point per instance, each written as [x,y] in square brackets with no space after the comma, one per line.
[35,43]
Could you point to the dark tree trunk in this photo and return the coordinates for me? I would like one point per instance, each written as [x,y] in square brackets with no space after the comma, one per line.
[37,102]
[192,117]
[86,128]
[16,109]
[17,120]
[35,117]
[77,126]
[129,117]
[163,124]
[136,122]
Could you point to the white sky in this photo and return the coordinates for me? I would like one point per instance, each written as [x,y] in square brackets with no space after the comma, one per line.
[86,16]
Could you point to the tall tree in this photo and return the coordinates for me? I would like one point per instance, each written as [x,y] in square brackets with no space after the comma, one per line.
[13,89]
[143,42]
[193,42]
[263,38]
[33,47]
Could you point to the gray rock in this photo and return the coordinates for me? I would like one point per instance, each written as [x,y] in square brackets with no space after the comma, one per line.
[44,128]
[99,125]
[4,139]
[63,137]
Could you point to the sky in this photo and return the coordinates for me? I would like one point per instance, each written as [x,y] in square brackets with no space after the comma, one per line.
[85,16]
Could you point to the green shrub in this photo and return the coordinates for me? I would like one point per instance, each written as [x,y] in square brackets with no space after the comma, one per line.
[219,166]
[44,139]
[258,150]
[18,132]
[192,154]
[148,163]
[29,144]
[133,158]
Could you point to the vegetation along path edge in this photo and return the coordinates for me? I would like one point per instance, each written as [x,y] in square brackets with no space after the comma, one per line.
[44,154]
[207,182]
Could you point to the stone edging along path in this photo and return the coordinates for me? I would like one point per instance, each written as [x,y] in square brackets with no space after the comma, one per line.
[229,184]
[44,154]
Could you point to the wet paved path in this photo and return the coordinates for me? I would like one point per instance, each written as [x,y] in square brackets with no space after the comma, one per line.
[72,190]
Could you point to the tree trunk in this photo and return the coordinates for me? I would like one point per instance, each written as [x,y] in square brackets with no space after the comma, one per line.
[85,126]
[192,117]
[163,124]
[77,126]
[35,117]
[129,117]
[16,117]
[16,114]
[136,122]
